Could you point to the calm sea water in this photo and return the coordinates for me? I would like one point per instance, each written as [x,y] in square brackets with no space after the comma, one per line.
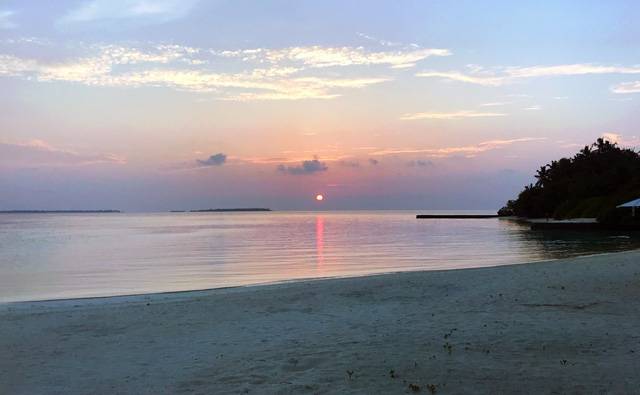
[50,256]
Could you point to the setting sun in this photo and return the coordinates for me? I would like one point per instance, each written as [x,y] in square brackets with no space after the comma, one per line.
[319,197]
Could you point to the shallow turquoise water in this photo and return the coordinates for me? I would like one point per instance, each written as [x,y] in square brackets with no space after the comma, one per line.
[49,256]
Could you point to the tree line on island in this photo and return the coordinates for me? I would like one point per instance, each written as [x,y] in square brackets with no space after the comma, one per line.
[588,185]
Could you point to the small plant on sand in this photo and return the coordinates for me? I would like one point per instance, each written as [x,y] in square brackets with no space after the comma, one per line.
[414,387]
[447,346]
[432,388]
[350,373]
[392,374]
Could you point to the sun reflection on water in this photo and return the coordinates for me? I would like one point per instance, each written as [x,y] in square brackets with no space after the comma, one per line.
[320,241]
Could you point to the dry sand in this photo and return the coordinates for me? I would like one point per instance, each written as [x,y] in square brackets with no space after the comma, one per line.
[570,326]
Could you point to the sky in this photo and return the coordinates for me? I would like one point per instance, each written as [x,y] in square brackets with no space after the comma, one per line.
[144,105]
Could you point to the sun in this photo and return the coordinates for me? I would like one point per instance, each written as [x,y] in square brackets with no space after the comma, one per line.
[319,197]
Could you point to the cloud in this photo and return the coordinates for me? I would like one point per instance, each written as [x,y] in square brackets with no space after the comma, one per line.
[291,73]
[384,43]
[627,87]
[374,162]
[157,53]
[505,75]
[182,68]
[307,167]
[613,137]
[569,69]
[449,115]
[457,76]
[214,160]
[533,108]
[320,56]
[302,88]
[420,163]
[40,153]
[5,20]
[98,69]
[349,163]
[156,11]
[571,145]
[494,104]
[15,67]
[461,150]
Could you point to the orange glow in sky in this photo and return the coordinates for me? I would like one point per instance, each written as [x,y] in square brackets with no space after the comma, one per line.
[205,112]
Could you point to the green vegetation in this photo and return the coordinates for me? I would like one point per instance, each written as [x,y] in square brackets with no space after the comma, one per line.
[590,184]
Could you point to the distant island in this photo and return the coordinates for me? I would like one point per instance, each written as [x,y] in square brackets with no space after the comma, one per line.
[591,184]
[224,210]
[59,211]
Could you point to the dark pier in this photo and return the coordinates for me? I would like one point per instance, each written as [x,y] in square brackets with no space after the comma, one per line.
[456,216]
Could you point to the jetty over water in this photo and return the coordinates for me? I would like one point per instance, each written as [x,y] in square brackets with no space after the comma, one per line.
[230,210]
[456,216]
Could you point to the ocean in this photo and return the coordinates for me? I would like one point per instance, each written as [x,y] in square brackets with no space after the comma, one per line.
[55,256]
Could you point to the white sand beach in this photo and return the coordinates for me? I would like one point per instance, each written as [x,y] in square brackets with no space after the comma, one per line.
[564,327]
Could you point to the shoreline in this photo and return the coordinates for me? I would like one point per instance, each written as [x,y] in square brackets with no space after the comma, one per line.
[185,293]
[567,325]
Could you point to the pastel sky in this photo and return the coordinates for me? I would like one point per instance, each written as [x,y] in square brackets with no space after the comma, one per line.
[145,105]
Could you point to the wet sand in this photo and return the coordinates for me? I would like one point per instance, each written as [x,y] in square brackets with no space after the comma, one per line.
[566,326]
